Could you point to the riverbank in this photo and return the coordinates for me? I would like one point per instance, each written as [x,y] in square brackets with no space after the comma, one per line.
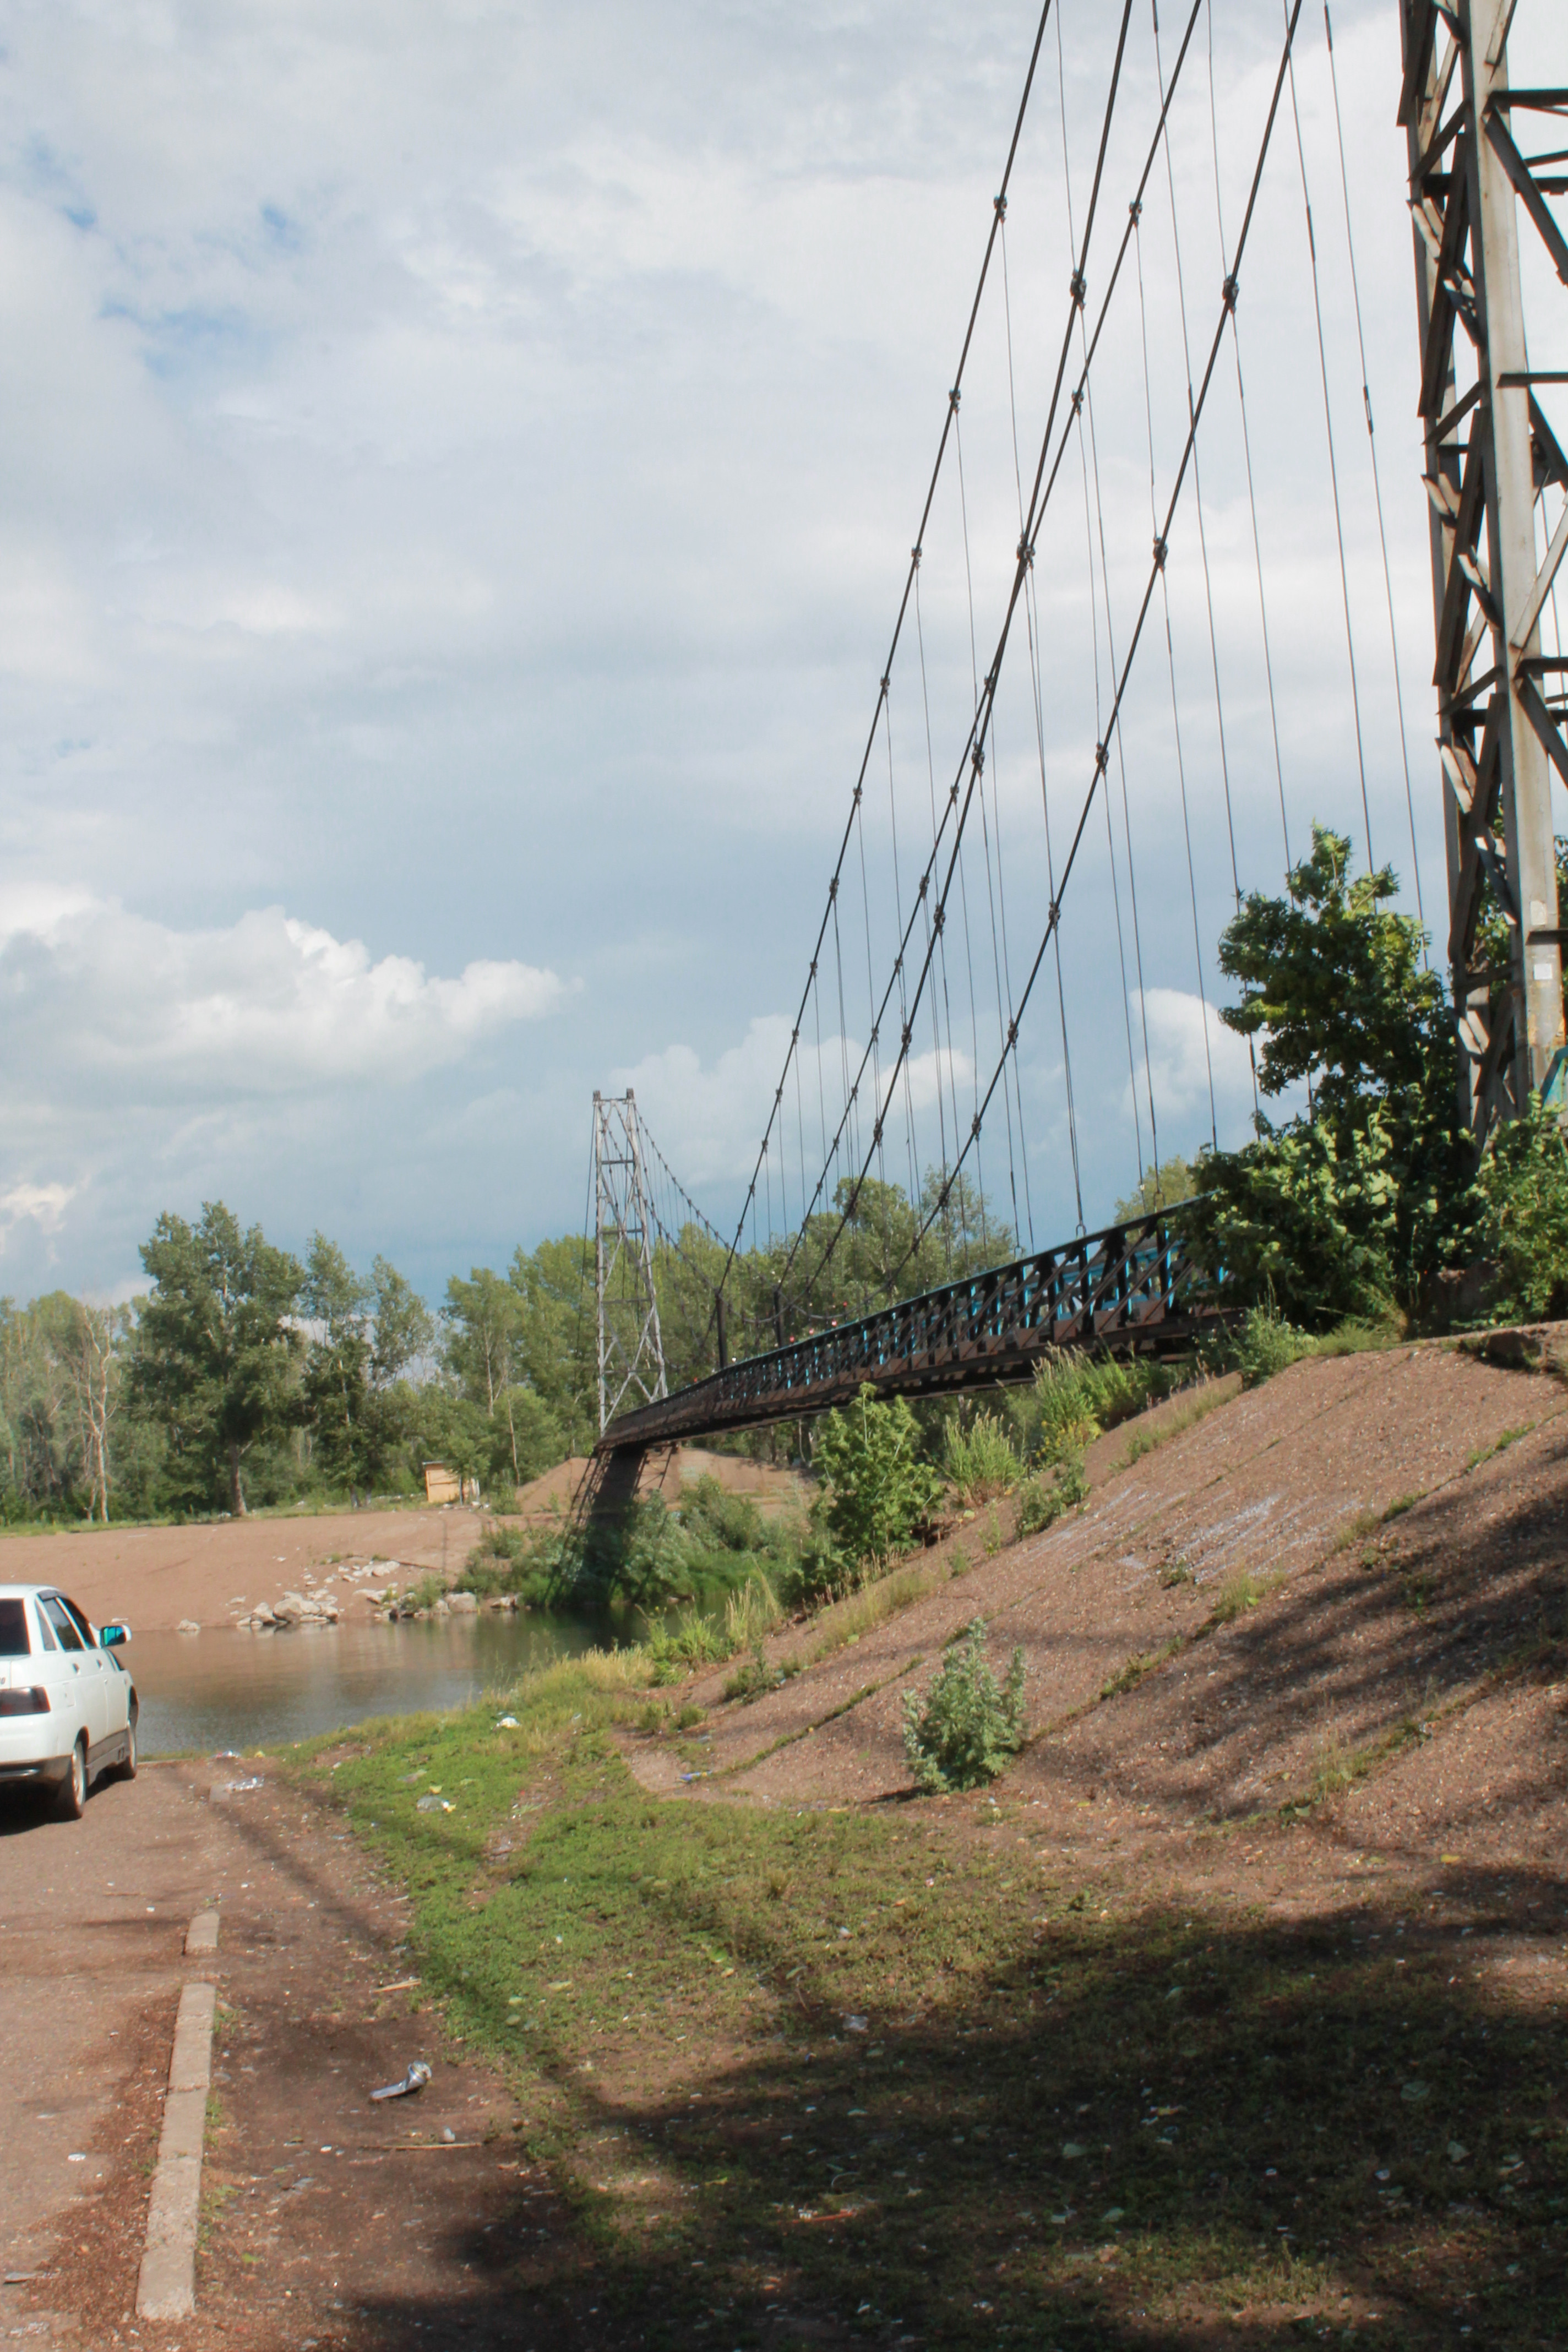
[211,1572]
[208,1572]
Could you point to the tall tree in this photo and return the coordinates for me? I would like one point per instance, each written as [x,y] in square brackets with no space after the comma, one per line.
[217,1347]
[404,1326]
[484,1318]
[336,1302]
[1363,1196]
[92,1352]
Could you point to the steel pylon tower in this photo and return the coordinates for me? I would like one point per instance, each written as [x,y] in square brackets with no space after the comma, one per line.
[1490,454]
[631,1347]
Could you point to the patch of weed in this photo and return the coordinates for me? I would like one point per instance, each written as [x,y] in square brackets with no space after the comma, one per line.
[862,1610]
[1239,1593]
[1141,1663]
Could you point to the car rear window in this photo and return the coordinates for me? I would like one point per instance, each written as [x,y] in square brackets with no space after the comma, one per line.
[14,1642]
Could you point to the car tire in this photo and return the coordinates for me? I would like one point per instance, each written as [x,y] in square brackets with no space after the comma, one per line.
[71,1801]
[127,1771]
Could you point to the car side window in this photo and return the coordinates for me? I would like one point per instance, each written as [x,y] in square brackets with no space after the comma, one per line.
[14,1641]
[79,1618]
[59,1617]
[46,1631]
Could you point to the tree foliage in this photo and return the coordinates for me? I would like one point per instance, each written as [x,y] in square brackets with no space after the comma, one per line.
[1358,1201]
[879,1486]
[218,1349]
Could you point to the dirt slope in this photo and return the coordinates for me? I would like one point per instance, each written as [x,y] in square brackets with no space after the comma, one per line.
[1406,1668]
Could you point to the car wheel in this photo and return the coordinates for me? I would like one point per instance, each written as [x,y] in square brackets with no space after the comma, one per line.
[128,1769]
[72,1797]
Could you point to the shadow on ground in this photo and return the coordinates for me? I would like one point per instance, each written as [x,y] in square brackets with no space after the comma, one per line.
[1150,2133]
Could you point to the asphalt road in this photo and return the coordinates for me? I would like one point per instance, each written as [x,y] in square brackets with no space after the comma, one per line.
[93,1917]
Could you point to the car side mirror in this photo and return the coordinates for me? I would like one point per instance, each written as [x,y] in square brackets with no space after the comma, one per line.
[113,1637]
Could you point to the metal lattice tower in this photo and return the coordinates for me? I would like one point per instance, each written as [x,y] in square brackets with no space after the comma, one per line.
[1489,455]
[631,1348]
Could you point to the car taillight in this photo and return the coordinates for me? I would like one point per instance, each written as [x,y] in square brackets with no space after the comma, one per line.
[24,1702]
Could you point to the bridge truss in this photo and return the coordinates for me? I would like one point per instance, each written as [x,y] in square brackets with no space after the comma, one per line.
[1132,1289]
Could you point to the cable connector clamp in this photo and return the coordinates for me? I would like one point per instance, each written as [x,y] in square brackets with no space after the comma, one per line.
[1161,549]
[1077,287]
[1231,290]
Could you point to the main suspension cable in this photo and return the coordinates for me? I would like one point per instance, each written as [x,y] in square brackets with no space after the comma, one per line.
[1376,483]
[1229,295]
[961,796]
[1333,465]
[914,559]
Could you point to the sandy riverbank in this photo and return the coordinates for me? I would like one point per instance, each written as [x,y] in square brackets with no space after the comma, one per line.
[213,1571]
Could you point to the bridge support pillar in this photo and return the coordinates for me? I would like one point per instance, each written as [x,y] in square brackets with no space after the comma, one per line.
[1488,454]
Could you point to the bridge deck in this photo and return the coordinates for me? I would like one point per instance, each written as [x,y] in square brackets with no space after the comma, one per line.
[1131,1289]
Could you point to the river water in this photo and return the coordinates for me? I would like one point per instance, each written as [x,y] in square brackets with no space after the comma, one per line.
[225,1689]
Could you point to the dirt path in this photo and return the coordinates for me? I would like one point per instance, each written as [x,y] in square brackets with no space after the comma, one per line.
[326,2218]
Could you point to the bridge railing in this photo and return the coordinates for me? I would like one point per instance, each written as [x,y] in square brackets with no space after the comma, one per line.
[1131,1288]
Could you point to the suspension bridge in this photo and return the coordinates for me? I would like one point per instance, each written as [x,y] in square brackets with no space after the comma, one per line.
[1079,734]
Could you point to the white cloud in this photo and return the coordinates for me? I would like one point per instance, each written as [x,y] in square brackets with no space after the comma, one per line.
[268,1004]
[1188,1044]
[43,1205]
[709,1121]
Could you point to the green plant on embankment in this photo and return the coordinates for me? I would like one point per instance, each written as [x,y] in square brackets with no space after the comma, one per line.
[967,1727]
[1068,2119]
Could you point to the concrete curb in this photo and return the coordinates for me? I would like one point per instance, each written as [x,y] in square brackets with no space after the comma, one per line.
[167,2286]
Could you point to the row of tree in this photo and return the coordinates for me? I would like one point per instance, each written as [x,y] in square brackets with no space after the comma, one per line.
[244,1375]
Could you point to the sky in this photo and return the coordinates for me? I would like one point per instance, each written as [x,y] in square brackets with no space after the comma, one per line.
[460,474]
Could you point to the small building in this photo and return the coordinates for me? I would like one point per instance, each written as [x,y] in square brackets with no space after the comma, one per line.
[444,1486]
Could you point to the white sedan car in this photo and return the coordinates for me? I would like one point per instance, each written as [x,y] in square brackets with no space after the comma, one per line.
[67,1705]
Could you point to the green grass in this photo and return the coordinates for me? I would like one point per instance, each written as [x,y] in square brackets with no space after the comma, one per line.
[1239,1594]
[861,1612]
[1055,2127]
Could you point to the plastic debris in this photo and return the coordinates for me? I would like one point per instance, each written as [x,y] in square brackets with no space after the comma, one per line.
[1413,2093]
[419,2074]
[506,1723]
[855,2024]
[448,2135]
[234,1788]
[433,1804]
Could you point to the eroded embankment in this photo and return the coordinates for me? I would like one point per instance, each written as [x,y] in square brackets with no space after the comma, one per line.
[1347,1585]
